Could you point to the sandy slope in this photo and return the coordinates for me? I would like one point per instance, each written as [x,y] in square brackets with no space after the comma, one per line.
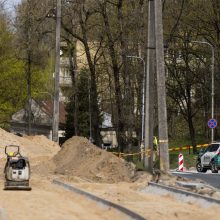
[47,201]
[32,146]
[152,207]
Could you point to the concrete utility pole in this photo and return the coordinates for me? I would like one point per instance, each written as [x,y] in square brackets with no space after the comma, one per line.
[149,87]
[28,66]
[57,75]
[161,88]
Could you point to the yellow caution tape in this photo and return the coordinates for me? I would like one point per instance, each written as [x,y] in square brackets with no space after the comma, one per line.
[148,151]
[187,147]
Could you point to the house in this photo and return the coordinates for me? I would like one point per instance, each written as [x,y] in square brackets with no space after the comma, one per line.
[108,132]
[42,118]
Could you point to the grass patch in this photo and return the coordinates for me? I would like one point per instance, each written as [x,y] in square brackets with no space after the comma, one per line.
[188,159]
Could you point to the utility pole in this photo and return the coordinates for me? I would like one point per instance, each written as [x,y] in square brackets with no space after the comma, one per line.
[57,75]
[149,87]
[161,88]
[28,65]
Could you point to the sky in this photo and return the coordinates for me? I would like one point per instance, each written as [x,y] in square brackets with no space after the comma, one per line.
[9,4]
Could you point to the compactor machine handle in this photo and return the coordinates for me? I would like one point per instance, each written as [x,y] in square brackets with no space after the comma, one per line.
[12,150]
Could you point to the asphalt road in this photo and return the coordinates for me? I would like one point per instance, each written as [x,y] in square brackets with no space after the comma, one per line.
[212,179]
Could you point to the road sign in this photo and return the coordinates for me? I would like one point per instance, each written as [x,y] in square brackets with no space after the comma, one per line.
[212,123]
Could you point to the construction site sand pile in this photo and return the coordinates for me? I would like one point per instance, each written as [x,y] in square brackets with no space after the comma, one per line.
[78,157]
[31,146]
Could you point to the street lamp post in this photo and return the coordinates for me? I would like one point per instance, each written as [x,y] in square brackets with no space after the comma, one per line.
[143,93]
[56,112]
[213,87]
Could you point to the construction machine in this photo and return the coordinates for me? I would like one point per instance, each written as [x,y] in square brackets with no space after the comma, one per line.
[17,169]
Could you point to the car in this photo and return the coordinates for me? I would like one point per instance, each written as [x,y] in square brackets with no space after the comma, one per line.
[216,164]
[209,158]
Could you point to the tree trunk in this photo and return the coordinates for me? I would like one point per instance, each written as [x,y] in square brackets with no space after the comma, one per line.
[192,134]
[95,112]
[127,82]
[120,126]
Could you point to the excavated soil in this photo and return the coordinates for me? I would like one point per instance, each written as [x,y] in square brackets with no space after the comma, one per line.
[78,157]
[30,146]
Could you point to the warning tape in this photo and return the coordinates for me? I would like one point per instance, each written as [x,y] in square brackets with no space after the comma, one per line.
[148,151]
[187,147]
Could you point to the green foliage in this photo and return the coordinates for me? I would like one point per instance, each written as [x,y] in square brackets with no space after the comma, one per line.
[42,79]
[69,126]
[13,79]
[189,157]
[82,108]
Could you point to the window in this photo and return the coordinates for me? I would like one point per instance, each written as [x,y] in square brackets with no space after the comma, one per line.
[214,147]
[207,149]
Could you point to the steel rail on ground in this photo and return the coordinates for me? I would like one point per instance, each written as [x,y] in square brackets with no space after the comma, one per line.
[122,209]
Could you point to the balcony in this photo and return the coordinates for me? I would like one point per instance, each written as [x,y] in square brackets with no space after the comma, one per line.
[64,62]
[65,81]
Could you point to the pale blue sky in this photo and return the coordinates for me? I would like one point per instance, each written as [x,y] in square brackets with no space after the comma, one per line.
[10,5]
[12,2]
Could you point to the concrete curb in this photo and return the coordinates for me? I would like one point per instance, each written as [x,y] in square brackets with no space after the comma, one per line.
[184,192]
[126,211]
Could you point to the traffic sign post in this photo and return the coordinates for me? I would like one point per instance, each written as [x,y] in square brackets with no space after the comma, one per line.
[212,123]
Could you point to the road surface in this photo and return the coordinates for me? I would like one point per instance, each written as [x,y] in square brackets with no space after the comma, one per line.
[212,179]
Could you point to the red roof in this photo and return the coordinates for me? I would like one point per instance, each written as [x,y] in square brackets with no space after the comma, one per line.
[47,106]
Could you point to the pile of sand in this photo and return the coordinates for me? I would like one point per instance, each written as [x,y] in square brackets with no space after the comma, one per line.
[78,157]
[30,146]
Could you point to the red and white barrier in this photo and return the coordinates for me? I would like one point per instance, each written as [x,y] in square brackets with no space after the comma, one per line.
[181,162]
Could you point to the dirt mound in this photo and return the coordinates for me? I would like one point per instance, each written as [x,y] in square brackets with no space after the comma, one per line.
[44,142]
[78,157]
[31,146]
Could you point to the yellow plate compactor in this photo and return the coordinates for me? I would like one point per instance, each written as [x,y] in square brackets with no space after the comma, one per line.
[17,169]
